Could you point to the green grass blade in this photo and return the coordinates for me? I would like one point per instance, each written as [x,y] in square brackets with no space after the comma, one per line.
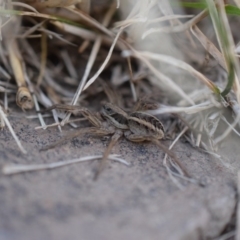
[232,10]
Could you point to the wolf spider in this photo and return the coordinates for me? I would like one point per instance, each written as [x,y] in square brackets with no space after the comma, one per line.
[136,126]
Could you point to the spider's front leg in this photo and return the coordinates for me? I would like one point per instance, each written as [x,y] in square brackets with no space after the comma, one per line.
[99,126]
[144,104]
[87,131]
[93,118]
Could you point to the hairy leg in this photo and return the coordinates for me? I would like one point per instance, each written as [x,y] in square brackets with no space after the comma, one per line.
[138,138]
[93,118]
[114,139]
[89,131]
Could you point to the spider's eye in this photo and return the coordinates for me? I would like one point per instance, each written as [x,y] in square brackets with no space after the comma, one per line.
[107,109]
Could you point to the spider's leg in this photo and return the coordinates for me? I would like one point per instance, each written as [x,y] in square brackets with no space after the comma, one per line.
[89,131]
[144,104]
[139,138]
[114,139]
[64,107]
[93,118]
[111,93]
[173,156]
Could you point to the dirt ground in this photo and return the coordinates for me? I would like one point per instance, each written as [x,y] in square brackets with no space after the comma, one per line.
[135,202]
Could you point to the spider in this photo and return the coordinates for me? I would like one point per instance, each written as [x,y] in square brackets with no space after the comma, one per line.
[136,126]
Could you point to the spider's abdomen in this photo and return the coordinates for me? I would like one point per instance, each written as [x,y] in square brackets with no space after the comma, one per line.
[145,124]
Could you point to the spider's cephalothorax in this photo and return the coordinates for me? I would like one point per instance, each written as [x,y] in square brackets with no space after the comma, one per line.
[139,123]
[115,115]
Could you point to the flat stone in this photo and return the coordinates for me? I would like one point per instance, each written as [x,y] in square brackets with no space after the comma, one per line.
[136,202]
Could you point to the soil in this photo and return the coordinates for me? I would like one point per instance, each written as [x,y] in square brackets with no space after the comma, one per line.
[139,201]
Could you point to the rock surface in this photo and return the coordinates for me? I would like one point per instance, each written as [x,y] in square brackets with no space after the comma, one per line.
[136,202]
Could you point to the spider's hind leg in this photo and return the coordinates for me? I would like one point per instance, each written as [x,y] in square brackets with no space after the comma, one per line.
[89,131]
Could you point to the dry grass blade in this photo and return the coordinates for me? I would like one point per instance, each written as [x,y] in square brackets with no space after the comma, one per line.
[23,98]
[88,68]
[230,125]
[47,102]
[174,180]
[92,21]
[167,9]
[172,155]
[20,4]
[82,32]
[91,60]
[161,77]
[133,90]
[165,160]
[237,2]
[4,73]
[85,5]
[228,130]
[83,46]
[69,65]
[14,169]
[55,3]
[77,31]
[178,28]
[96,75]
[174,142]
[199,135]
[43,57]
[129,22]
[209,46]
[169,17]
[52,34]
[32,30]
[140,13]
[3,116]
[3,89]
[32,14]
[118,3]
[40,117]
[189,110]
[41,120]
[180,64]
